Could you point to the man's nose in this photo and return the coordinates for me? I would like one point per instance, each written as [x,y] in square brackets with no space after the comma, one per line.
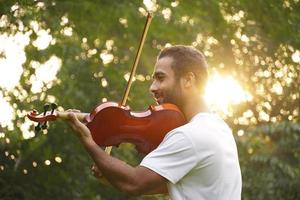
[153,87]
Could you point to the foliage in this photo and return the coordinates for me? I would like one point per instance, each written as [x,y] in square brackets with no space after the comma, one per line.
[272,168]
[257,42]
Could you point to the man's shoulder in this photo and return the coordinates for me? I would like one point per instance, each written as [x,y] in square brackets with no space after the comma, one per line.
[199,122]
[202,127]
[206,122]
[184,132]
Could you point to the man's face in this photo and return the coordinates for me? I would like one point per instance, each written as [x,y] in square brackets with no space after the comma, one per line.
[165,88]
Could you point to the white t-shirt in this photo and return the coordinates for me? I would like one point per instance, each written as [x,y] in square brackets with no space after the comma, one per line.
[199,160]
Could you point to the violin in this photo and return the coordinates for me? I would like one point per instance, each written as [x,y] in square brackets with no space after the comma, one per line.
[113,123]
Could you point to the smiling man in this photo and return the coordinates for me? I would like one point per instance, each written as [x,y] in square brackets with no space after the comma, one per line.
[197,161]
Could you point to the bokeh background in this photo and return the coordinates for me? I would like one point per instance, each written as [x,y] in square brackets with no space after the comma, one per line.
[79,53]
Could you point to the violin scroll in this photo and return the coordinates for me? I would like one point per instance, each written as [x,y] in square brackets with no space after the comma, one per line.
[48,114]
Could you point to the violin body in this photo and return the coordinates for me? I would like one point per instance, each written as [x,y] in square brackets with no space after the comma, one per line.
[112,124]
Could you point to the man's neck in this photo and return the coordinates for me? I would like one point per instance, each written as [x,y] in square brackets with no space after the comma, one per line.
[194,106]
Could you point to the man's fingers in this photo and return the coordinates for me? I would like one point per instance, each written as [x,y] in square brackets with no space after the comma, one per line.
[73,121]
[73,110]
[78,126]
[73,117]
[96,172]
[95,169]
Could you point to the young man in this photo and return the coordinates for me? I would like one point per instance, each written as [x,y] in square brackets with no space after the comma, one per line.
[197,161]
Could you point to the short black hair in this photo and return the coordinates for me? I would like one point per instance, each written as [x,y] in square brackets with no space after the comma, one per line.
[187,59]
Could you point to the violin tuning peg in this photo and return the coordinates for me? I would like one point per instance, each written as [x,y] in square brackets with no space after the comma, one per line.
[53,106]
[34,112]
[37,128]
[46,107]
[44,126]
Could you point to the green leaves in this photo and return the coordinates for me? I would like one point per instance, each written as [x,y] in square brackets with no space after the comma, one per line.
[270,161]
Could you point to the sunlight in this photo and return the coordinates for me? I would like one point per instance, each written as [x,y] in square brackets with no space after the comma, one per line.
[296,56]
[12,57]
[12,49]
[7,113]
[106,57]
[43,40]
[44,73]
[151,5]
[26,129]
[224,91]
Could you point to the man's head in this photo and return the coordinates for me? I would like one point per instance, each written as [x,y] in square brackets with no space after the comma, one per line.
[179,72]
[187,59]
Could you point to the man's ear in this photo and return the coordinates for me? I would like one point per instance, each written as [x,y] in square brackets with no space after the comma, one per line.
[189,79]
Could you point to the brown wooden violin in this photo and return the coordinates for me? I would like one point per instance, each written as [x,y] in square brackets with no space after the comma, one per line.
[113,123]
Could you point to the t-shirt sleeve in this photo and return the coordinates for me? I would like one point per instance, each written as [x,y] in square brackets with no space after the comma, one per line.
[173,158]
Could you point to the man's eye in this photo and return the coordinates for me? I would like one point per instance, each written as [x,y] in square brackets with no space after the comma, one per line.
[160,78]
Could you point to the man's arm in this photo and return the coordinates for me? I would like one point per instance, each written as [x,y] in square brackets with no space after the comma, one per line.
[160,189]
[130,180]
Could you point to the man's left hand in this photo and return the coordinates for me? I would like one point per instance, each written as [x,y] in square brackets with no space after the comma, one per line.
[82,130]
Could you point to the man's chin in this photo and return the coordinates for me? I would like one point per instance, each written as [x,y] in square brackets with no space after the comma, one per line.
[159,101]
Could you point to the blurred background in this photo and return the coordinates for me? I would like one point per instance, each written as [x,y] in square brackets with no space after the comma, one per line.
[78,54]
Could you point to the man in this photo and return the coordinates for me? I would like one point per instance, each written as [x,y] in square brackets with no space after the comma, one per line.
[197,161]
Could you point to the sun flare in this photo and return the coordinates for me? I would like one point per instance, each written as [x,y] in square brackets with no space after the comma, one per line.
[223,92]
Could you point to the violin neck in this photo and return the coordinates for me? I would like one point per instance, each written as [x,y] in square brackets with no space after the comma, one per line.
[64,115]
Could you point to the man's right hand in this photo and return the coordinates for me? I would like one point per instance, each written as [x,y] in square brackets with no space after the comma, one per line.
[96,172]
